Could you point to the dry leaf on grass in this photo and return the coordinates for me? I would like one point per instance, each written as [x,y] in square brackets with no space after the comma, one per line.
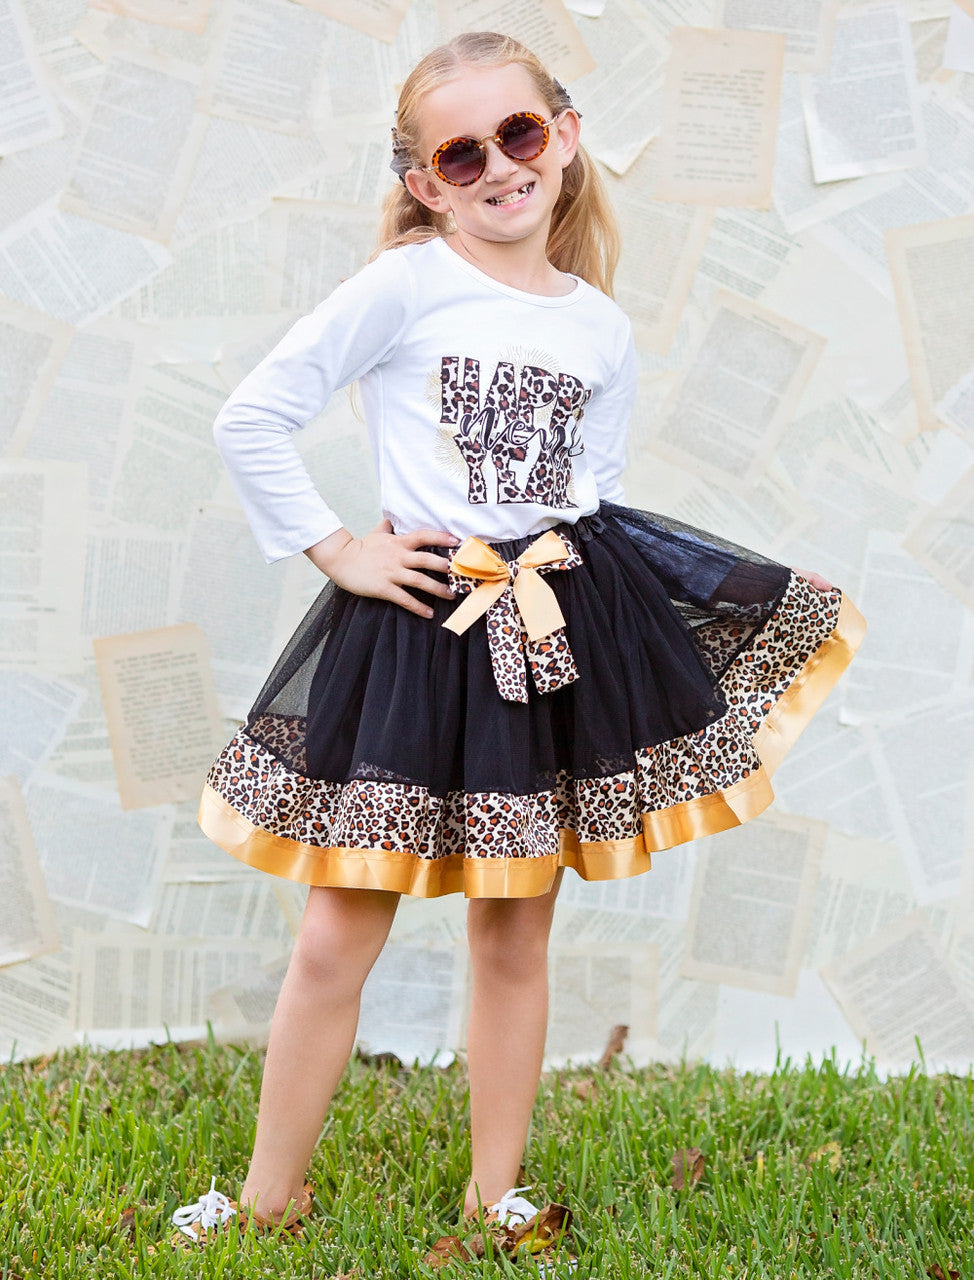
[936,1272]
[615,1044]
[548,1228]
[545,1231]
[126,1219]
[475,1245]
[447,1249]
[502,1239]
[688,1165]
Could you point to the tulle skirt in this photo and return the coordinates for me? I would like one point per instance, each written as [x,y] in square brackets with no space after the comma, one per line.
[386,751]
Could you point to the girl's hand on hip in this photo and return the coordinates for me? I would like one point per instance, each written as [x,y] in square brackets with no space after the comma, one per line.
[816,579]
[383,564]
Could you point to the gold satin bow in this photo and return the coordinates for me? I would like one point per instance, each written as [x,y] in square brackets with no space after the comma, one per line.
[536,600]
[536,616]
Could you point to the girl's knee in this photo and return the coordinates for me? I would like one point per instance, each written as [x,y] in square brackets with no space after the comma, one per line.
[509,937]
[317,960]
[341,935]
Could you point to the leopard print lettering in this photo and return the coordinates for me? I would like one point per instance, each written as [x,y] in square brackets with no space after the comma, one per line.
[460,406]
[518,443]
[471,441]
[538,389]
[566,420]
[458,397]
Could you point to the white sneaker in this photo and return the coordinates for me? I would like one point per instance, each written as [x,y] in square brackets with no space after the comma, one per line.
[206,1217]
[512,1209]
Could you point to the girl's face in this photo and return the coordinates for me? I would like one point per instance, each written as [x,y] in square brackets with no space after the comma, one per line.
[512,201]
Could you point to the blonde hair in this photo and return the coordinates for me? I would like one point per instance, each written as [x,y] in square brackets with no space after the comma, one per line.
[583,239]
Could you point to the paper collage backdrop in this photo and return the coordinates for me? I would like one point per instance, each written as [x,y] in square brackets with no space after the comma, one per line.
[180,180]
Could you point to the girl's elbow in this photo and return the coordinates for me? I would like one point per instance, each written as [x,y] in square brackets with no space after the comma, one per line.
[238,425]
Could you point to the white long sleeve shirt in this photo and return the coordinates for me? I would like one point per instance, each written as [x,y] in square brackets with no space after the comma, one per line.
[490,411]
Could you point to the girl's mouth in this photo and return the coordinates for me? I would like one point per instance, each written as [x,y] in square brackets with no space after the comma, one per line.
[514,197]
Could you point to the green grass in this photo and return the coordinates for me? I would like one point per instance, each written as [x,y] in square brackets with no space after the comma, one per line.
[84,1136]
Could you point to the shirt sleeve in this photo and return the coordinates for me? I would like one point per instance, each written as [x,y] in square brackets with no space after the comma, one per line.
[354,329]
[606,423]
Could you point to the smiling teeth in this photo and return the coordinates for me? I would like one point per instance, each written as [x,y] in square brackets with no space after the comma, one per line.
[515,195]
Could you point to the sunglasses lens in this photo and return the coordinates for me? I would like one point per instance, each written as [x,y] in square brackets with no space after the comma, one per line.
[462,161]
[523,137]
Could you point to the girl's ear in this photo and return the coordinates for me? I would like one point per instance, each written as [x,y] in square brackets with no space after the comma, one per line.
[566,132]
[422,188]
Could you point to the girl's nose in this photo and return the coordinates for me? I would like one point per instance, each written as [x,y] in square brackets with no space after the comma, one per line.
[499,166]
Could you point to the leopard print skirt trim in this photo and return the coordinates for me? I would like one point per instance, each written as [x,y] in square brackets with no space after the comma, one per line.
[373,832]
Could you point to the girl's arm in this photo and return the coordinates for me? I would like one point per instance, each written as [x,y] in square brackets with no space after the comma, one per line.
[354,329]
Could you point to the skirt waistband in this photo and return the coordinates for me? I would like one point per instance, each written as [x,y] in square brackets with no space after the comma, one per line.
[582,530]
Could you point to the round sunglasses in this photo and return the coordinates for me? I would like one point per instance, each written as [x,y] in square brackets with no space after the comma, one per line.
[461,161]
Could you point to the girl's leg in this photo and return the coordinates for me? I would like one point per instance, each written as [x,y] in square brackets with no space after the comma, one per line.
[505,1040]
[312,1034]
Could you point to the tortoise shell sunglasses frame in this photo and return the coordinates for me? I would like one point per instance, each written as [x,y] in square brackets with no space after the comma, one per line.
[516,142]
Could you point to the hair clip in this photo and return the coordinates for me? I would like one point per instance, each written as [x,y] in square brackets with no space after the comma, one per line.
[565,99]
[401,161]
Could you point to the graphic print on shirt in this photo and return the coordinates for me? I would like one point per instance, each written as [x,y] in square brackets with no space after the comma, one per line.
[518,438]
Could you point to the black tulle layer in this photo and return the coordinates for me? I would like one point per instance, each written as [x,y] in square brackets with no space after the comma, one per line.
[655,615]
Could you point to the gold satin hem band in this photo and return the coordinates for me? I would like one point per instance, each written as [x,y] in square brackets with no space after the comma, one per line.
[397,872]
[400,872]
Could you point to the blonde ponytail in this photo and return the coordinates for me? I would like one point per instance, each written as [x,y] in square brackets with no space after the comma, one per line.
[583,239]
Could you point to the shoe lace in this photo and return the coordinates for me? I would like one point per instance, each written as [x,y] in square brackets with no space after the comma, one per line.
[210,1210]
[512,1209]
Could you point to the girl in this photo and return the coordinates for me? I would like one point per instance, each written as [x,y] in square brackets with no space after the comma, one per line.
[512,674]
